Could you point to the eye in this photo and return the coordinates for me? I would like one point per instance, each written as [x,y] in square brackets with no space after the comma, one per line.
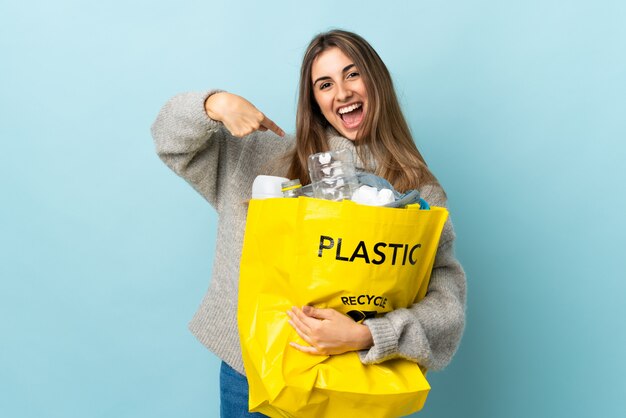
[353,74]
[324,85]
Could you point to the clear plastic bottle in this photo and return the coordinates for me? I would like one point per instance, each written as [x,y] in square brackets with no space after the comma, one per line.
[333,176]
[291,188]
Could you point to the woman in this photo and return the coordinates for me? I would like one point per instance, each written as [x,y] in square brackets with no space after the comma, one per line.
[220,142]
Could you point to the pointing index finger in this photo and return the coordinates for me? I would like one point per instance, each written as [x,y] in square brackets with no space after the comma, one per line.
[269,124]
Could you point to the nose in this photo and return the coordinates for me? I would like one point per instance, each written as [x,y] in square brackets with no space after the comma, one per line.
[343,92]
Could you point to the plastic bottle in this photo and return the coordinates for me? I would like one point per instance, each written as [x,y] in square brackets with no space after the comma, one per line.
[333,176]
[291,188]
[265,187]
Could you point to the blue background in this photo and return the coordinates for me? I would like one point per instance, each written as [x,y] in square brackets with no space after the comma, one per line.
[518,106]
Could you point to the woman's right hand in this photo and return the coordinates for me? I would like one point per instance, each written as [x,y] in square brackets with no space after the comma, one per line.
[238,115]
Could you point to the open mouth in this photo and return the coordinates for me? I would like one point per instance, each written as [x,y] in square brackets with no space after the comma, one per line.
[351,115]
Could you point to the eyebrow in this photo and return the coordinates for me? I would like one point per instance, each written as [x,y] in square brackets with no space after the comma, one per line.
[346,68]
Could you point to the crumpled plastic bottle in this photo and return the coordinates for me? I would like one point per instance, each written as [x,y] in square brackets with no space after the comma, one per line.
[333,176]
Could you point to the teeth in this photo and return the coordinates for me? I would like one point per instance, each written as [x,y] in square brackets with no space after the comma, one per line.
[350,108]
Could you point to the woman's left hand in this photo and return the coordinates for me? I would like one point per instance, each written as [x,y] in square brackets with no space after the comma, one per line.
[328,331]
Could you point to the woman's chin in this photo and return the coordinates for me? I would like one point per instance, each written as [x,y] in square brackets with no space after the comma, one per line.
[348,133]
[351,137]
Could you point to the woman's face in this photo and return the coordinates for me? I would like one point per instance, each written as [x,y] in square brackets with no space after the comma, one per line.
[339,91]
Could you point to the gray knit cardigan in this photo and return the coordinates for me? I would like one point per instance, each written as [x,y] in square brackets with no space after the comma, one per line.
[221,168]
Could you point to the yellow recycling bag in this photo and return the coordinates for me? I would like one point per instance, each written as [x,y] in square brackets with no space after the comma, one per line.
[360,260]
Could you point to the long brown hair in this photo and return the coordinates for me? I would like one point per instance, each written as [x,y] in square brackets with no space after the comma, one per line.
[383,132]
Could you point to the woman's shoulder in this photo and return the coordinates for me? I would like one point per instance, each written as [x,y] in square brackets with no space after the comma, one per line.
[434,194]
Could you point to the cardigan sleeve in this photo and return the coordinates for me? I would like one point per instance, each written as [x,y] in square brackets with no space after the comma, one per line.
[429,331]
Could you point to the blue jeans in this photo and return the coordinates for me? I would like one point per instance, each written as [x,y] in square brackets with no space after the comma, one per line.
[234,394]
